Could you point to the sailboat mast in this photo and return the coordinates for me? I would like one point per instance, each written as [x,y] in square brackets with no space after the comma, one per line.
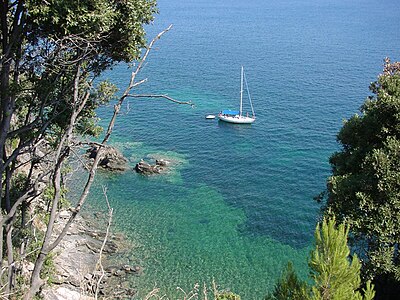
[241,93]
[248,94]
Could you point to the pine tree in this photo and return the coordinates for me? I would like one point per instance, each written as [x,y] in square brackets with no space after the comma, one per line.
[289,286]
[336,277]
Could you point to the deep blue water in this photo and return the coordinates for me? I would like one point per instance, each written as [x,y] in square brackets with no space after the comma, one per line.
[238,205]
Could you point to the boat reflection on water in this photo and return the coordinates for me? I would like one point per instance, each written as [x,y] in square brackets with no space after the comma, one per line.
[233,126]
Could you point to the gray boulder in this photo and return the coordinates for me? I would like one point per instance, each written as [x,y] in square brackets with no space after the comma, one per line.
[110,159]
[146,168]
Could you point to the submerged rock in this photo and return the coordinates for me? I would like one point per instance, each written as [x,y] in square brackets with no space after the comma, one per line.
[162,162]
[145,168]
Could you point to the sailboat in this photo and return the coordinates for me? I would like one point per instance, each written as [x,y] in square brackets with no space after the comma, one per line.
[236,116]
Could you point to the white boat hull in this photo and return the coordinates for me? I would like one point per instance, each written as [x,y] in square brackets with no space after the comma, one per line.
[237,119]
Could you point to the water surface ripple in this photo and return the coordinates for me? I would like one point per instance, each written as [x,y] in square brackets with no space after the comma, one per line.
[239,204]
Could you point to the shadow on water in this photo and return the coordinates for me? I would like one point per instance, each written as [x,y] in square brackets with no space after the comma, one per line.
[296,239]
[231,126]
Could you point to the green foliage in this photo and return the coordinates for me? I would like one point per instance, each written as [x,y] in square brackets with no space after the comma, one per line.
[289,286]
[22,284]
[66,169]
[334,275]
[105,91]
[34,245]
[56,39]
[48,195]
[18,185]
[14,143]
[56,51]
[225,295]
[49,269]
[116,25]
[17,188]
[364,189]
[32,251]
[102,94]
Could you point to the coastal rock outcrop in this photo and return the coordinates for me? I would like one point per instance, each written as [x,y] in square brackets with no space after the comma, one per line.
[146,168]
[77,274]
[63,293]
[111,158]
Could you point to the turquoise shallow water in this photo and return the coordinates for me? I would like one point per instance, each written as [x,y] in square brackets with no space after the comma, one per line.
[238,205]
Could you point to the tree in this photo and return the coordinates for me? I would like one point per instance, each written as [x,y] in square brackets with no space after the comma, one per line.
[364,189]
[289,286]
[51,53]
[335,275]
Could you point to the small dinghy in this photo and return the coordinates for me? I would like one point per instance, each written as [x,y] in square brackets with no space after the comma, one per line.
[210,117]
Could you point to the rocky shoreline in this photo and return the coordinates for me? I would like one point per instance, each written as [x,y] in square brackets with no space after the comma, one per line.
[76,264]
[76,259]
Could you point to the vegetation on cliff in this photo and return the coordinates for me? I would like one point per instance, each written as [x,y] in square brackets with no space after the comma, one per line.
[364,188]
[334,273]
[50,56]
[363,192]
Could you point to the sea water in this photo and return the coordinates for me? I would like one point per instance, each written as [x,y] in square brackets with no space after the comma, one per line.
[237,204]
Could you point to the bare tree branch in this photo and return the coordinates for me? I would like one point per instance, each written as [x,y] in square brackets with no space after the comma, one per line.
[161,96]
[96,161]
[139,82]
[30,193]
[99,262]
[84,164]
[132,83]
[63,150]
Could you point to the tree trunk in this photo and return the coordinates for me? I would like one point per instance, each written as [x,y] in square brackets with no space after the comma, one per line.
[61,154]
[10,259]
